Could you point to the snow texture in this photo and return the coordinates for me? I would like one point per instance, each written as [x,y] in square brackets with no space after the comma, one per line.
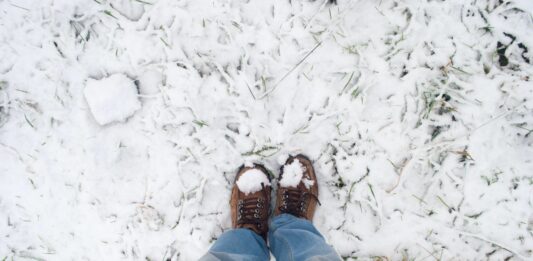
[417,115]
[308,183]
[251,181]
[293,174]
[112,99]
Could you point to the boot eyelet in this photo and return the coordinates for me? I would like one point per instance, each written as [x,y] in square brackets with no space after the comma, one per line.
[256,216]
[256,210]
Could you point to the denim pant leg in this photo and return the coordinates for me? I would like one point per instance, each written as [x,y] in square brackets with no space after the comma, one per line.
[293,238]
[238,245]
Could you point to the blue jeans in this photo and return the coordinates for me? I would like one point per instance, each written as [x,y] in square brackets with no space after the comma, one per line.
[290,238]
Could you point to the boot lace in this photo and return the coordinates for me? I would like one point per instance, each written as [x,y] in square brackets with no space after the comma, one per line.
[294,202]
[250,210]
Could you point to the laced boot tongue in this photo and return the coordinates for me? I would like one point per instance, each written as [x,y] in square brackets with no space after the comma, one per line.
[295,201]
[251,213]
[298,188]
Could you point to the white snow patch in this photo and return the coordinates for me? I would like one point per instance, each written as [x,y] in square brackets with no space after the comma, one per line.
[249,164]
[250,181]
[308,183]
[293,174]
[149,82]
[112,99]
[4,108]
[244,130]
[282,158]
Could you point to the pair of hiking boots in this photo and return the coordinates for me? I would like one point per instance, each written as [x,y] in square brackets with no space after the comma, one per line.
[252,210]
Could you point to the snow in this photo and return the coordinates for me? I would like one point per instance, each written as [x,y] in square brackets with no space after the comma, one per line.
[112,99]
[251,181]
[308,183]
[4,104]
[293,174]
[417,115]
[150,82]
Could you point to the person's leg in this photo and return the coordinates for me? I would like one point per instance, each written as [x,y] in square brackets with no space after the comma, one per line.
[292,234]
[250,202]
[238,245]
[293,238]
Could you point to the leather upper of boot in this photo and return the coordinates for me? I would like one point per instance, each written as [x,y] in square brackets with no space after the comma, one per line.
[251,210]
[299,200]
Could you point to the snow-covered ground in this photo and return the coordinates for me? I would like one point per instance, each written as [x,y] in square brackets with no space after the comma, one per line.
[417,114]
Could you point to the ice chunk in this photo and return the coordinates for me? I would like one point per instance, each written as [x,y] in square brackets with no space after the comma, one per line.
[250,181]
[112,99]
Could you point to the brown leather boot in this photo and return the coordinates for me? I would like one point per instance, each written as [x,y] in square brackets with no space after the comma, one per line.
[251,210]
[297,197]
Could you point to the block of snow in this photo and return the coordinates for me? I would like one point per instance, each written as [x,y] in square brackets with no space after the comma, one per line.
[250,181]
[114,98]
[293,174]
